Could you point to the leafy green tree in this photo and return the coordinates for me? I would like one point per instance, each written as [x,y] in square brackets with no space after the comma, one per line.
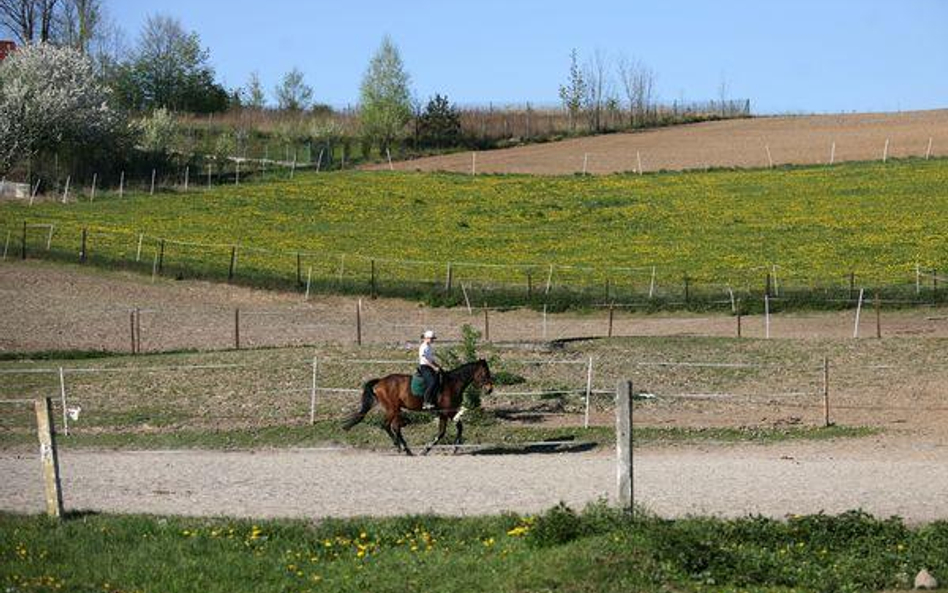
[169,69]
[440,124]
[293,94]
[573,93]
[255,97]
[385,96]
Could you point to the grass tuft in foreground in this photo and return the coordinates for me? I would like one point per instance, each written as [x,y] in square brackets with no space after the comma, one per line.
[598,549]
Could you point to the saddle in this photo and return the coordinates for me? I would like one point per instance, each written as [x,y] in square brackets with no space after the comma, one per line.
[418,384]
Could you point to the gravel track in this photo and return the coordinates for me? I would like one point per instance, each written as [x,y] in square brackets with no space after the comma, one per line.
[884,476]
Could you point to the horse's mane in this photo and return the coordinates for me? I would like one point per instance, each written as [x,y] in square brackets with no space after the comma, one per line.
[464,368]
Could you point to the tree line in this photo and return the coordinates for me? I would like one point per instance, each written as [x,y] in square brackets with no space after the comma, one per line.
[127,99]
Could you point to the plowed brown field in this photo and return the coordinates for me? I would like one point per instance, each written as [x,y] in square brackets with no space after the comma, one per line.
[732,143]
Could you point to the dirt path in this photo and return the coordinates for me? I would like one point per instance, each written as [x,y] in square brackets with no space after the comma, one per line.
[881,476]
[731,143]
[50,306]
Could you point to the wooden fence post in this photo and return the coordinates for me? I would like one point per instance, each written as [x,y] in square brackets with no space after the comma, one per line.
[49,457]
[359,322]
[449,279]
[372,283]
[138,331]
[131,322]
[612,307]
[739,318]
[233,260]
[934,286]
[486,323]
[624,481]
[687,290]
[237,328]
[878,305]
[299,271]
[161,257]
[826,401]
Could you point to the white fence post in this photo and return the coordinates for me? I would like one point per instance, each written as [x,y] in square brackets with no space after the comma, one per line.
[62,394]
[766,316]
[624,444]
[858,311]
[589,377]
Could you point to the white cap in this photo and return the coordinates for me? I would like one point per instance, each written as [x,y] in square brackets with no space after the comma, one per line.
[428,334]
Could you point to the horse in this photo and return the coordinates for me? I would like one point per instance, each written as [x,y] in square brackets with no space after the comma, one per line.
[393,392]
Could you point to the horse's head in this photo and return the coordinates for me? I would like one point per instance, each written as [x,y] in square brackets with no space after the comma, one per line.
[482,378]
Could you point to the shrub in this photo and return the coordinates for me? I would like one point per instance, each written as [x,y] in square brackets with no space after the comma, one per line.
[557,526]
[158,132]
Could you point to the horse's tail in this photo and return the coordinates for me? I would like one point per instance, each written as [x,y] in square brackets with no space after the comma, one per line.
[368,400]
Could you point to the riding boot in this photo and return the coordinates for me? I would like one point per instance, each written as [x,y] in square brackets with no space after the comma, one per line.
[430,402]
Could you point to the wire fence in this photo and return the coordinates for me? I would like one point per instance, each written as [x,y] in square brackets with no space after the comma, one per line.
[263,389]
[138,322]
[552,286]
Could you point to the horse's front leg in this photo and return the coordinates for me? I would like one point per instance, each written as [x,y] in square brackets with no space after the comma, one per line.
[398,432]
[459,438]
[391,435]
[442,428]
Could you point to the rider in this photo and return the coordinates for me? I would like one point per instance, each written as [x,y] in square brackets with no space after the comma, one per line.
[428,368]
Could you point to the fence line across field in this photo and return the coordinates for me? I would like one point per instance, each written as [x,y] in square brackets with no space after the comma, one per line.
[548,267]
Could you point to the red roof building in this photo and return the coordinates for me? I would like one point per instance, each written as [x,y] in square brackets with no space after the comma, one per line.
[6,48]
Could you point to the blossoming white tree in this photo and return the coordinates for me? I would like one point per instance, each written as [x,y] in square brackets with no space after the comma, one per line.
[50,100]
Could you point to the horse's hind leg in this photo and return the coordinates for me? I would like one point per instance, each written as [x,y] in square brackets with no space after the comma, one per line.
[397,428]
[442,428]
[389,425]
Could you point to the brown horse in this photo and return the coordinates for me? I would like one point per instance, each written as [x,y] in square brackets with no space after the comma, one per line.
[393,392]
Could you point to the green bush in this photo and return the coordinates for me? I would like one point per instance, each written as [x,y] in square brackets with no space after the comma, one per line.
[557,526]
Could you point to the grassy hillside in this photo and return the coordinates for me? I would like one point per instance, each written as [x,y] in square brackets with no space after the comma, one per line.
[719,228]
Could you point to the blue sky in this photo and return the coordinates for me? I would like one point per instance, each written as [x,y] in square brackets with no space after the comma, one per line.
[786,56]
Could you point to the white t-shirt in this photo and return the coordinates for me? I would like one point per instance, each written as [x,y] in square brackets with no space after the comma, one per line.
[426,355]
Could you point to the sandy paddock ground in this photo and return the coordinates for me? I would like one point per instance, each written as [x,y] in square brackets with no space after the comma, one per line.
[882,476]
[48,306]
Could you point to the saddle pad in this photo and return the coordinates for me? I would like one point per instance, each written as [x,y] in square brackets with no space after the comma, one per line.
[417,385]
